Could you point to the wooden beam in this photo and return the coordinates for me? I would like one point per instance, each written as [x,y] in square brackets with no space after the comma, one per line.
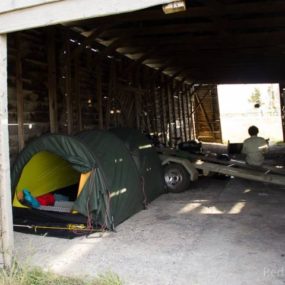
[177,96]
[148,102]
[52,88]
[154,103]
[200,103]
[214,102]
[243,9]
[137,110]
[217,60]
[89,41]
[19,93]
[111,92]
[67,11]
[147,114]
[202,26]
[188,111]
[10,5]
[169,109]
[192,114]
[162,108]
[77,90]
[168,28]
[192,96]
[99,108]
[111,48]
[185,102]
[282,107]
[213,49]
[7,236]
[183,105]
[219,22]
[172,88]
[135,63]
[138,99]
[128,105]
[240,40]
[68,84]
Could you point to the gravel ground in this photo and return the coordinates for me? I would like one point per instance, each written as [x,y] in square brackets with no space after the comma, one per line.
[222,231]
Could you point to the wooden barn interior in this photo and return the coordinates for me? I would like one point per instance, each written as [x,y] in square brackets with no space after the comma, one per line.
[153,65]
[146,69]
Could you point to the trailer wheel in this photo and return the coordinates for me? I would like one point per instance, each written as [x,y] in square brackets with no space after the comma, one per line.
[176,178]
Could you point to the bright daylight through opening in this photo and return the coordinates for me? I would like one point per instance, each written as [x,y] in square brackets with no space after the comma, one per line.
[244,105]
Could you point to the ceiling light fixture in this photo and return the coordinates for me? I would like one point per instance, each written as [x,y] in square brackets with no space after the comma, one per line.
[174,7]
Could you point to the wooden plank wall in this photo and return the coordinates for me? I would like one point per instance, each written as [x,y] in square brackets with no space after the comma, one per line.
[56,84]
[28,102]
[206,113]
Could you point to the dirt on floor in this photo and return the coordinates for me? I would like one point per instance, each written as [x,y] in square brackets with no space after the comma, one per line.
[221,231]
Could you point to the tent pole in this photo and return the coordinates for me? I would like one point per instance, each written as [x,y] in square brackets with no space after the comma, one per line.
[6,227]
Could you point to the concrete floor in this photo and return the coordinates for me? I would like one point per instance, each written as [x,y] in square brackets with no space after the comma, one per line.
[219,232]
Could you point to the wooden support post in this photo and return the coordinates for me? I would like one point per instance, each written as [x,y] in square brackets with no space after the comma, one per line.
[137,97]
[143,124]
[178,96]
[146,110]
[162,109]
[19,93]
[153,91]
[6,226]
[111,94]
[213,103]
[169,111]
[99,94]
[148,115]
[188,111]
[52,80]
[183,105]
[173,110]
[137,109]
[68,91]
[77,90]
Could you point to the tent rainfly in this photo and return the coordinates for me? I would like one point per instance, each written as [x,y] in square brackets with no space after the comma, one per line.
[96,179]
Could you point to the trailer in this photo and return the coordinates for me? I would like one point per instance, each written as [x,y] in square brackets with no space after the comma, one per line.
[181,167]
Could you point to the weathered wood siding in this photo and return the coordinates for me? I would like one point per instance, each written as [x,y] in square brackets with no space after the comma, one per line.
[206,113]
[57,83]
[6,228]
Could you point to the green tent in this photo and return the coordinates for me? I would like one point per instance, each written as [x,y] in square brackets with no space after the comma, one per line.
[146,159]
[94,169]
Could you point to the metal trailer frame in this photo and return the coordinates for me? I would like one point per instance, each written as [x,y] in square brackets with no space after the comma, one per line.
[194,163]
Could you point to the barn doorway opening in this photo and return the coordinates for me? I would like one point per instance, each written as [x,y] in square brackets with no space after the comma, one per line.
[244,105]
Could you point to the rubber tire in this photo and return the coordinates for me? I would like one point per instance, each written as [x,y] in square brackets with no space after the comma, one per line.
[176,178]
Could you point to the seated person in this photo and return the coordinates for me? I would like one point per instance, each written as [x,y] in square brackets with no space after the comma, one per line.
[254,147]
